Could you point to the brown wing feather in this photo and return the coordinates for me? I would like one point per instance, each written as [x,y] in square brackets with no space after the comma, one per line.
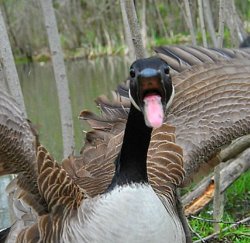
[211,108]
[61,195]
[94,169]
[182,57]
[17,152]
[211,96]
[17,141]
[165,162]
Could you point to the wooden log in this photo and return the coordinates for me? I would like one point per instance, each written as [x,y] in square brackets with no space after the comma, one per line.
[203,193]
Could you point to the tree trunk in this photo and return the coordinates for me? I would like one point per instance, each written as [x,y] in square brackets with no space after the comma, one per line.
[221,24]
[60,77]
[218,202]
[143,24]
[209,21]
[234,24]
[140,52]
[9,67]
[203,30]
[161,22]
[127,32]
[190,22]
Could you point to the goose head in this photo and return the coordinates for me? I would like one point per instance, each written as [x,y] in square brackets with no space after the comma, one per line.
[151,90]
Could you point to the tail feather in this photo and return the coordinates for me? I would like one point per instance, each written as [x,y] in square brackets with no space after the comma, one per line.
[4,234]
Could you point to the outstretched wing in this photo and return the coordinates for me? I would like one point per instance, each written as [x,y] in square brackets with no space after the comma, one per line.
[42,191]
[181,58]
[17,154]
[210,109]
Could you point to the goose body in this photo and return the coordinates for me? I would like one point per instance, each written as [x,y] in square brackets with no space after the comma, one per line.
[134,214]
[129,210]
[116,191]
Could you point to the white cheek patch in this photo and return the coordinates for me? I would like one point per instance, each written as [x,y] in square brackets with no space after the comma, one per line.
[132,101]
[171,98]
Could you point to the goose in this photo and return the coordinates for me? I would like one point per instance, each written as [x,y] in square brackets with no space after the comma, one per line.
[93,171]
[56,209]
[209,110]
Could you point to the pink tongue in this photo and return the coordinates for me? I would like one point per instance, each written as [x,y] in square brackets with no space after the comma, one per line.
[153,111]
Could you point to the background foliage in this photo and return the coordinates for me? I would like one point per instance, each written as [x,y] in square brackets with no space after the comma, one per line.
[91,28]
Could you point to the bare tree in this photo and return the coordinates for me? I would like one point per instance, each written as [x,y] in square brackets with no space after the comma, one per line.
[60,76]
[234,23]
[9,67]
[218,202]
[221,23]
[160,20]
[201,17]
[209,21]
[127,31]
[140,52]
[190,22]
[143,23]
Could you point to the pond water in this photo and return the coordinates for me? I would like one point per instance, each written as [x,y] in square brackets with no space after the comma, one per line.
[87,80]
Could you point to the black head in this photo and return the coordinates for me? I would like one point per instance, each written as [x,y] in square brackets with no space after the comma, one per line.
[150,78]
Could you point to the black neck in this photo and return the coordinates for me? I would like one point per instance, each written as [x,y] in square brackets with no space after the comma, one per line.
[131,164]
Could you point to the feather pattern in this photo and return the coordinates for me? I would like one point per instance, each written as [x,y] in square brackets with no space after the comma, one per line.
[210,110]
[214,92]
[211,102]
[16,137]
[61,195]
[17,152]
[67,202]
[182,57]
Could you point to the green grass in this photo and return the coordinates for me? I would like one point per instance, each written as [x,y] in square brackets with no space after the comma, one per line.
[237,207]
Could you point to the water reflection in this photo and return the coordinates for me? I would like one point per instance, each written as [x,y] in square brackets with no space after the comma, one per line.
[87,80]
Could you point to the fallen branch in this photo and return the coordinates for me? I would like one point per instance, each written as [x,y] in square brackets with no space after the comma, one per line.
[235,148]
[203,193]
[225,229]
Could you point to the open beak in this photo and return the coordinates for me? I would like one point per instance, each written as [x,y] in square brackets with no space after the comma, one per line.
[151,93]
[153,111]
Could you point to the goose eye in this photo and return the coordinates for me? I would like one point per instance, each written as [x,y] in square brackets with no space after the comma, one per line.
[166,70]
[132,73]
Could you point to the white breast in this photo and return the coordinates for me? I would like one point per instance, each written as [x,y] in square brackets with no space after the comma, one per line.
[131,213]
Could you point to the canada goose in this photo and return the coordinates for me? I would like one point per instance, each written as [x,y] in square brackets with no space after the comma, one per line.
[129,210]
[93,171]
[209,110]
